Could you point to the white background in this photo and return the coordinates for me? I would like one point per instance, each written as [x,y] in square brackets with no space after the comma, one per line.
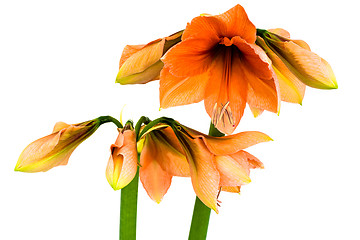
[58,62]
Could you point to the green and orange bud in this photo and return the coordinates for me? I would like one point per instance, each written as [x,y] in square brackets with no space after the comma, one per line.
[294,59]
[55,149]
[141,63]
[122,164]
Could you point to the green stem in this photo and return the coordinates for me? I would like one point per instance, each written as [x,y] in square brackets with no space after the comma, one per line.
[105,119]
[201,213]
[128,209]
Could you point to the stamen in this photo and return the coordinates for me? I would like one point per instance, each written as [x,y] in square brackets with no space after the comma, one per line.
[214,116]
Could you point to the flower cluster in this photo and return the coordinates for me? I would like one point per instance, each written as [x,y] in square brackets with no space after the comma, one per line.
[223,60]
[227,62]
[166,149]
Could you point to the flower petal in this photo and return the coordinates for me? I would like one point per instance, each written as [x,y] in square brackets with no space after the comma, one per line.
[122,164]
[207,27]
[263,94]
[155,180]
[254,58]
[232,172]
[167,151]
[225,94]
[190,57]
[238,24]
[291,88]
[176,91]
[231,189]
[204,175]
[230,144]
[140,59]
[149,74]
[38,157]
[310,68]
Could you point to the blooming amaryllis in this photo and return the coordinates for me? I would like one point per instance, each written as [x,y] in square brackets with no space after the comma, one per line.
[218,61]
[213,163]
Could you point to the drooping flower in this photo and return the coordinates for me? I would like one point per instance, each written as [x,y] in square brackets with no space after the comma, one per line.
[122,164]
[56,148]
[218,61]
[161,158]
[219,163]
[141,63]
[293,61]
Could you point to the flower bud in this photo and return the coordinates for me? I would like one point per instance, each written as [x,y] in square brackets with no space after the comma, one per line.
[141,63]
[56,148]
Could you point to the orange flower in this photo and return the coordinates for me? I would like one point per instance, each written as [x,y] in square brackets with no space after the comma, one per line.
[218,61]
[293,61]
[141,63]
[122,164]
[219,163]
[167,150]
[161,158]
[56,148]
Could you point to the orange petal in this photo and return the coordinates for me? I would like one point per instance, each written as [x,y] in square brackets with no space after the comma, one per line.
[140,60]
[238,24]
[225,95]
[232,172]
[167,151]
[149,74]
[60,125]
[207,27]
[176,91]
[190,57]
[291,88]
[231,189]
[204,175]
[38,157]
[155,180]
[56,148]
[254,58]
[230,144]
[256,111]
[281,32]
[122,164]
[253,161]
[310,68]
[263,94]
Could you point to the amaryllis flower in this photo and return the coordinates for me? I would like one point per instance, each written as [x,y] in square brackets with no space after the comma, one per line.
[218,61]
[219,163]
[122,164]
[293,61]
[162,157]
[56,148]
[171,149]
[141,63]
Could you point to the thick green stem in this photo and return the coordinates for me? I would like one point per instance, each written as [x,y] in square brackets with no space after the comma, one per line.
[128,209]
[106,119]
[201,213]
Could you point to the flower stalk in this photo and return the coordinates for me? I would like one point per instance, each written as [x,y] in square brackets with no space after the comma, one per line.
[128,209]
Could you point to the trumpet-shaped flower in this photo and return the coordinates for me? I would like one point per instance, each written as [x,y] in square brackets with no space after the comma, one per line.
[56,148]
[122,164]
[219,163]
[161,158]
[218,61]
[213,163]
[293,61]
[141,63]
